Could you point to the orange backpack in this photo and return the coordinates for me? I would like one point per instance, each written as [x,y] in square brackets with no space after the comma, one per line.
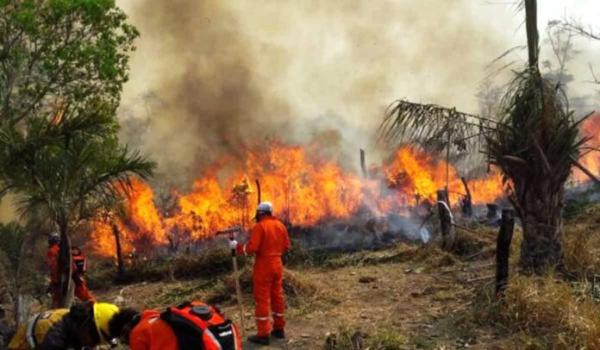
[199,326]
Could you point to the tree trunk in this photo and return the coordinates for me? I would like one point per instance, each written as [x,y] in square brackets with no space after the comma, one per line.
[532,32]
[120,264]
[65,264]
[542,229]
[21,310]
[363,163]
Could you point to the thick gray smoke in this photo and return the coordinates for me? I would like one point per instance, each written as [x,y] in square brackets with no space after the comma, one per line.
[210,76]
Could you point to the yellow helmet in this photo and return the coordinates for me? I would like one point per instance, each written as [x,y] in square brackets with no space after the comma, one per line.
[103,312]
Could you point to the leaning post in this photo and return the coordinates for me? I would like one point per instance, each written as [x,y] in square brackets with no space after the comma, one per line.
[446,221]
[363,163]
[505,234]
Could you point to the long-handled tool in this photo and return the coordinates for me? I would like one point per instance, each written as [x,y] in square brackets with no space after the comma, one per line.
[258,192]
[238,289]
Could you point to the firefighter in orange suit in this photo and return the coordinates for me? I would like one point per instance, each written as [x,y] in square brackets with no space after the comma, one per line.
[268,241]
[52,262]
[79,267]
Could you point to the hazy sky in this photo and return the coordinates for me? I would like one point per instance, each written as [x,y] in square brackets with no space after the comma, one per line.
[321,34]
[210,75]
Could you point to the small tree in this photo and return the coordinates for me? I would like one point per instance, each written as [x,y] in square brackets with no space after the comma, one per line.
[55,52]
[561,43]
[71,182]
[62,67]
[19,280]
[12,236]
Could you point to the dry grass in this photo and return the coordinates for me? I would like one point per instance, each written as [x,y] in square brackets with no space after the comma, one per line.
[295,285]
[548,312]
[350,339]
[581,244]
[545,312]
[474,240]
[209,264]
[432,258]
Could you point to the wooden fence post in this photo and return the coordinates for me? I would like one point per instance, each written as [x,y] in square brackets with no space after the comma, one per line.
[467,202]
[505,234]
[446,221]
[363,163]
[120,262]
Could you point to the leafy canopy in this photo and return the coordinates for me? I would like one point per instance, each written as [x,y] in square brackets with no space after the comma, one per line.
[62,67]
[13,235]
[61,54]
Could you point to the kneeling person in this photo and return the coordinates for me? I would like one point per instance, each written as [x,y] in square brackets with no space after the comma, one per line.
[189,326]
[84,325]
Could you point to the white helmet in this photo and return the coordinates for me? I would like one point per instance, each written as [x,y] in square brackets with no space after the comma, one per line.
[265,207]
[54,237]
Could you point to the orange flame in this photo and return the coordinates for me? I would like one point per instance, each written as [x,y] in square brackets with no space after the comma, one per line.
[416,172]
[591,158]
[143,226]
[304,188]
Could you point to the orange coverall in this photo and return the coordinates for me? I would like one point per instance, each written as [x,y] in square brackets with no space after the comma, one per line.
[81,290]
[52,262]
[268,241]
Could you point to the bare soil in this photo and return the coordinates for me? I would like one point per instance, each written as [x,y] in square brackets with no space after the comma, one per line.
[420,306]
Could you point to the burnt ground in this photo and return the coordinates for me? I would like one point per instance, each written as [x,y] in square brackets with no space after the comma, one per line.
[413,303]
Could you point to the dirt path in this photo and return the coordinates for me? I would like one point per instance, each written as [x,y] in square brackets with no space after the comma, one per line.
[397,298]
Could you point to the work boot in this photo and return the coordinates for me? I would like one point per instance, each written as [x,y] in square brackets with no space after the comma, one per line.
[256,339]
[278,333]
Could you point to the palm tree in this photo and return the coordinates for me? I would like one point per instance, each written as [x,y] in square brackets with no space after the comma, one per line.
[535,144]
[534,141]
[74,174]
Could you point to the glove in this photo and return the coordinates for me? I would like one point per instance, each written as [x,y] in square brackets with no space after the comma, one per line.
[233,244]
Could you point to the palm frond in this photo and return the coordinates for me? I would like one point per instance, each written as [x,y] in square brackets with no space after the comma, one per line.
[538,129]
[74,178]
[431,126]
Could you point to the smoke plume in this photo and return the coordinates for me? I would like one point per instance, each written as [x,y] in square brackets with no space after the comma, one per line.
[211,76]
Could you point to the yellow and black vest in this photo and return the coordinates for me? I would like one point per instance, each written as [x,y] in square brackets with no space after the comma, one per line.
[31,334]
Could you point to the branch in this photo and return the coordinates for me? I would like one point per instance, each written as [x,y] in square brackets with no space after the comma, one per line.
[596,79]
[585,170]
[578,28]
[425,122]
[542,155]
[4,190]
